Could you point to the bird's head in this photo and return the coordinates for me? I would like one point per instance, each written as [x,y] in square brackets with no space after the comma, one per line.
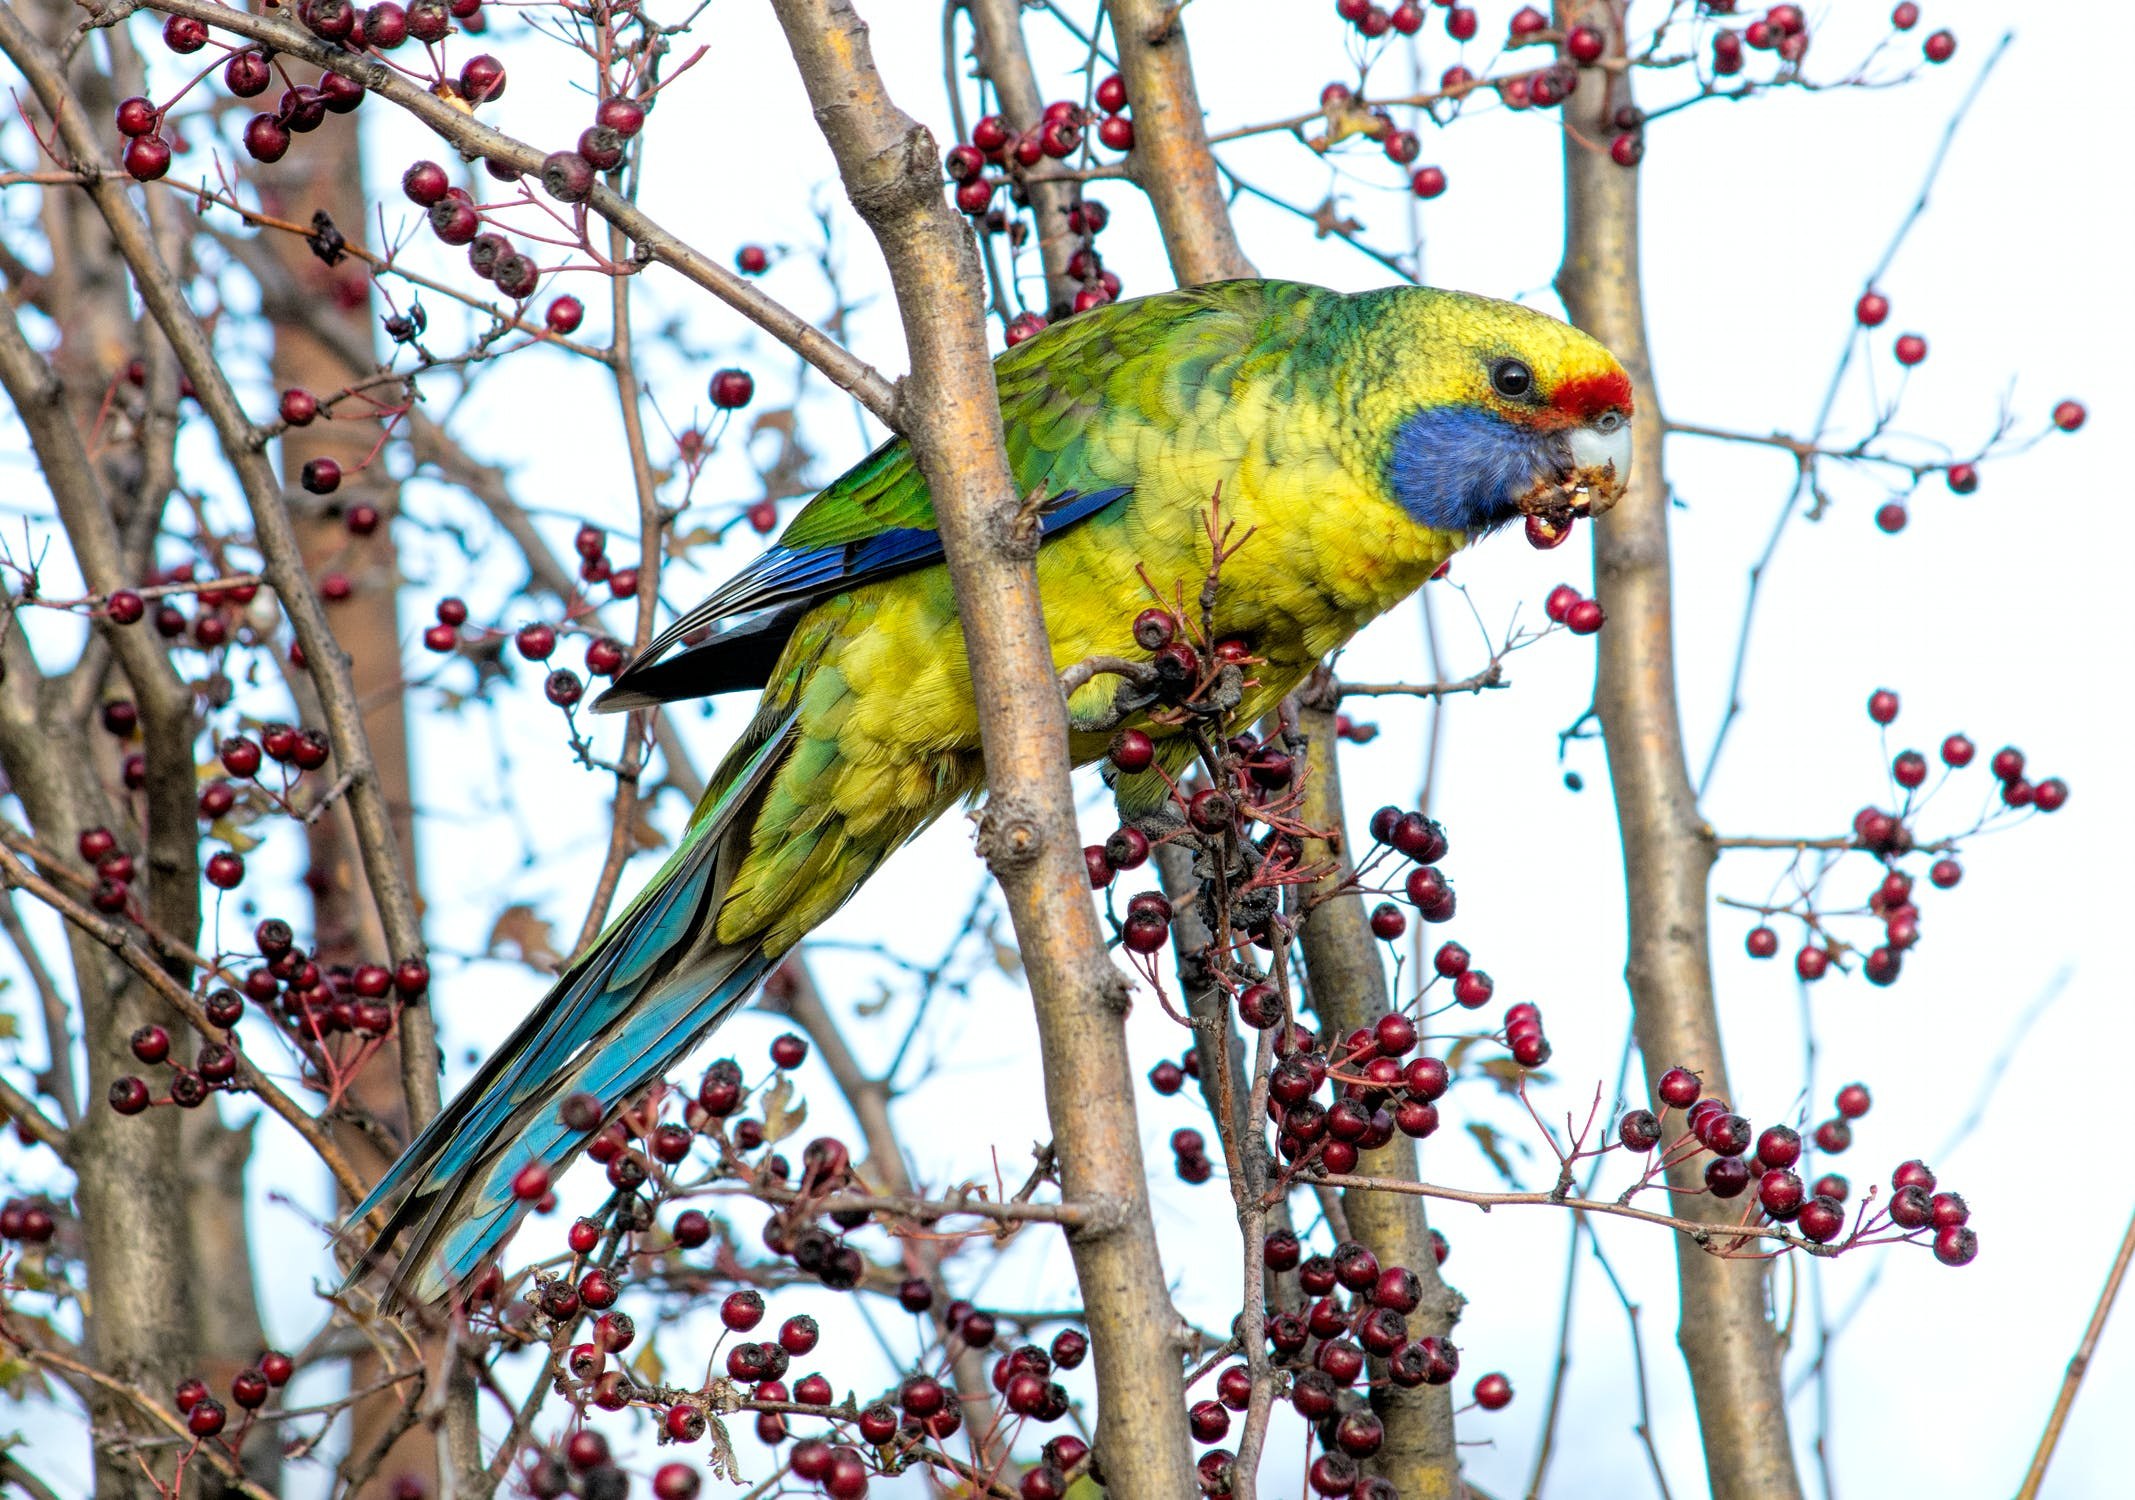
[1491,411]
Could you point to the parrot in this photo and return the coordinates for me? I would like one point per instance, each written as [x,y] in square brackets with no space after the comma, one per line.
[1356,440]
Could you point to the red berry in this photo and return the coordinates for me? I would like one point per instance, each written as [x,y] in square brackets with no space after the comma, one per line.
[425,184]
[183,34]
[146,158]
[249,1388]
[1762,942]
[1493,1392]
[676,1481]
[1527,21]
[482,79]
[731,389]
[564,315]
[267,138]
[1822,1218]
[1910,349]
[530,1182]
[1208,1421]
[752,260]
[1678,1088]
[224,869]
[136,116]
[207,1417]
[247,74]
[150,1044]
[1428,182]
[2050,795]
[1906,16]
[626,117]
[1584,44]
[2069,415]
[321,476]
[1585,617]
[1872,308]
[1940,47]
[1132,751]
[1639,1130]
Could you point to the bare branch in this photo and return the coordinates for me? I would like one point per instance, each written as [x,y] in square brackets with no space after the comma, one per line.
[1668,852]
[2078,1365]
[950,412]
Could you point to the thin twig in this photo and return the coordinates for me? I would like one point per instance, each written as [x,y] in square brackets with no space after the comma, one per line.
[2078,1365]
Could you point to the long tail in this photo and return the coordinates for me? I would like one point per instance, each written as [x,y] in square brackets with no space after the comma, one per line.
[648,989]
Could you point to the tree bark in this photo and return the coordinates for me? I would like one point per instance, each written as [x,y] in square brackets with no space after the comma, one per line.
[1171,160]
[1724,1326]
[948,409]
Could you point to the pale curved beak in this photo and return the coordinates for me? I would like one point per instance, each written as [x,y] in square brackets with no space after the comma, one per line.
[1601,464]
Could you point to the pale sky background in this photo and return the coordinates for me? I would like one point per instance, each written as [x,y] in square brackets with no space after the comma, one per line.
[1995,614]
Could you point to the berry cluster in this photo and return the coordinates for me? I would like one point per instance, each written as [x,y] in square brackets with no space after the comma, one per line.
[1891,837]
[1359,1312]
[646,1160]
[250,1389]
[1774,1163]
[24,1222]
[309,1005]
[223,800]
[1580,615]
[996,155]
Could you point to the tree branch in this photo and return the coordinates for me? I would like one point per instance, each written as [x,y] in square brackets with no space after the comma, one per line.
[950,412]
[1668,850]
[2078,1365]
[1171,160]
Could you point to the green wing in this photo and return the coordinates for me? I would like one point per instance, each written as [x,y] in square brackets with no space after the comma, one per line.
[1061,392]
[1075,403]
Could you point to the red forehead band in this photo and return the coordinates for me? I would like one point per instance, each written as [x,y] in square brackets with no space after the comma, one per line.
[1584,397]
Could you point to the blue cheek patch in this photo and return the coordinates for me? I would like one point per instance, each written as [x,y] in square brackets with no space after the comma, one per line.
[1457,469]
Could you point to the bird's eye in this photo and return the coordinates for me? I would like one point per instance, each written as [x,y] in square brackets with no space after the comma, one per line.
[1511,379]
[1608,421]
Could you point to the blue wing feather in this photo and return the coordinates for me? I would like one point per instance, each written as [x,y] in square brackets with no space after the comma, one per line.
[788,576]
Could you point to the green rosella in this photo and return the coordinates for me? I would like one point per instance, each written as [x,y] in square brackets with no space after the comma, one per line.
[1362,438]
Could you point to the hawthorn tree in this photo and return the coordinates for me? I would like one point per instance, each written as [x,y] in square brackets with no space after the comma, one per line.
[257,397]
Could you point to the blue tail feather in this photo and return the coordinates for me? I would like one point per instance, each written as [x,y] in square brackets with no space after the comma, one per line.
[647,990]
